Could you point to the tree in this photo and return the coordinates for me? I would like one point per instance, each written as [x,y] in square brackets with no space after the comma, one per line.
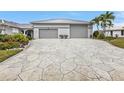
[106,20]
[96,21]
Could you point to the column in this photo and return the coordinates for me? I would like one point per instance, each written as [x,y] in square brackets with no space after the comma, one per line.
[90,30]
[25,32]
[36,33]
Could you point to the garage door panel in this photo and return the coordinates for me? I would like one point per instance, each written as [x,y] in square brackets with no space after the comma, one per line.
[78,31]
[48,33]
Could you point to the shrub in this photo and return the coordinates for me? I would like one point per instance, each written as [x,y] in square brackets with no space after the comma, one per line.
[14,44]
[101,36]
[109,38]
[7,38]
[21,38]
[95,34]
[14,38]
[9,45]
[2,37]
[30,38]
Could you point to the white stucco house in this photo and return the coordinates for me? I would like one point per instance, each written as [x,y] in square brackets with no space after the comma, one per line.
[116,31]
[9,27]
[51,28]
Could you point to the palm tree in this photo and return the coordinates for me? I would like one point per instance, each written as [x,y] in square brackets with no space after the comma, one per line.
[106,20]
[96,21]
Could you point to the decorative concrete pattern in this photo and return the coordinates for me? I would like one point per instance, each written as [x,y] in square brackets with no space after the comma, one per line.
[65,59]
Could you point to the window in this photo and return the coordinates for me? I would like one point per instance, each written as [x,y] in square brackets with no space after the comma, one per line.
[111,32]
[122,32]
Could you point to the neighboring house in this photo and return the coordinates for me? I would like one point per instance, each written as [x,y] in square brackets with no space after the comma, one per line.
[116,31]
[52,28]
[8,27]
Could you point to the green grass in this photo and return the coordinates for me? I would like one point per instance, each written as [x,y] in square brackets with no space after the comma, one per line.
[4,54]
[119,42]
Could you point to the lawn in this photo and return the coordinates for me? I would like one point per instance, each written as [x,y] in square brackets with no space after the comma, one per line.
[4,54]
[119,42]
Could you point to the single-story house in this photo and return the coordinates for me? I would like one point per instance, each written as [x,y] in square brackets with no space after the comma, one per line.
[54,28]
[9,27]
[51,28]
[116,31]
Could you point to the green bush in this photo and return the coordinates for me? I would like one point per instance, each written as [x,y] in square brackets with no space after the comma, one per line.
[7,38]
[2,37]
[95,34]
[14,38]
[109,38]
[9,45]
[30,38]
[101,36]
[21,38]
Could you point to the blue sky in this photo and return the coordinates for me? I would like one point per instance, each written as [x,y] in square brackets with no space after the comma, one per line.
[28,16]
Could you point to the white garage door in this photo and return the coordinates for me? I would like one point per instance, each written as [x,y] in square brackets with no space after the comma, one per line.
[48,33]
[79,31]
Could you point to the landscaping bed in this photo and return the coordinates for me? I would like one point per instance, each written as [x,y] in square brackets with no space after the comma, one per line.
[11,45]
[4,54]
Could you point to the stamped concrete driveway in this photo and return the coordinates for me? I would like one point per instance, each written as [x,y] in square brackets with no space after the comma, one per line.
[67,59]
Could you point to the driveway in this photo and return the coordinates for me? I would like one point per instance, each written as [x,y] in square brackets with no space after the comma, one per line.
[65,59]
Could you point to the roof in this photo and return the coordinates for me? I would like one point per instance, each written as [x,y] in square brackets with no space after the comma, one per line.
[14,24]
[60,21]
[29,26]
[8,23]
[115,28]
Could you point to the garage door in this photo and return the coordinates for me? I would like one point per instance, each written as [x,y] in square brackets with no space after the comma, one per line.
[48,33]
[78,31]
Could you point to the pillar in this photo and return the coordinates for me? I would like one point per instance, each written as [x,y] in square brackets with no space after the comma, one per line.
[36,33]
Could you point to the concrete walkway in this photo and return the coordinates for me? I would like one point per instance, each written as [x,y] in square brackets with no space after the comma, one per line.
[67,59]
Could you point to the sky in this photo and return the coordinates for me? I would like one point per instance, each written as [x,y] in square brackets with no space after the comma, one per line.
[28,16]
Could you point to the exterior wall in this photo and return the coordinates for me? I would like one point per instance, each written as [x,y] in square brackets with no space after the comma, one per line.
[86,30]
[79,31]
[62,29]
[9,30]
[108,33]
[90,31]
[36,33]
